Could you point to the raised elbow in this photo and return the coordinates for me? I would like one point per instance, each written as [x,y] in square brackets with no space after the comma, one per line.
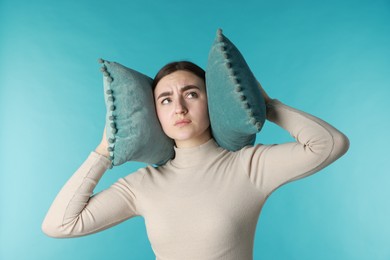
[341,144]
[330,147]
[50,230]
[53,229]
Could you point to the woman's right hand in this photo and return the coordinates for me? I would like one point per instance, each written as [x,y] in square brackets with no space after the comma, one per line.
[103,146]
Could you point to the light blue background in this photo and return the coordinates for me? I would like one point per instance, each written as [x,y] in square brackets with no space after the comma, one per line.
[329,58]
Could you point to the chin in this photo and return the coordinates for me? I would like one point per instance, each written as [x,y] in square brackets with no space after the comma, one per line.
[184,137]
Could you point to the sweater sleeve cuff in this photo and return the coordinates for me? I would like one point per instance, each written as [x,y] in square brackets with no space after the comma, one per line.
[101,159]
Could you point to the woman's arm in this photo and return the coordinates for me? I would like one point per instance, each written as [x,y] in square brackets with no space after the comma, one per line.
[317,145]
[102,147]
[76,212]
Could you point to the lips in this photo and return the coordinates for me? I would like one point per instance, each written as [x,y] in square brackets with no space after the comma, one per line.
[182,122]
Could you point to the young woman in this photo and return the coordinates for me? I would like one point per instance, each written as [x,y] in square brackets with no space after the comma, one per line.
[204,203]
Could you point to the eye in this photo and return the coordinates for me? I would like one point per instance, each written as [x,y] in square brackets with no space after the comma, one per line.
[166,101]
[192,95]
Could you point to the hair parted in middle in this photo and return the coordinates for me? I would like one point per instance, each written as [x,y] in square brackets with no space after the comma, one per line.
[178,65]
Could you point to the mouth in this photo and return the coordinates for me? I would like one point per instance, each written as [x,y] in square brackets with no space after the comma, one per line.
[182,122]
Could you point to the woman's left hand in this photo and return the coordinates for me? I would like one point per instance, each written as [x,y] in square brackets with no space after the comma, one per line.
[267,99]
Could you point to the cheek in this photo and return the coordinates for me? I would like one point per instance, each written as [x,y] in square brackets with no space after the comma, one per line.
[159,114]
[204,111]
[162,116]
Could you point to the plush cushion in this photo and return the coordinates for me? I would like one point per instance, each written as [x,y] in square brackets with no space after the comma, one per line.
[133,130]
[236,106]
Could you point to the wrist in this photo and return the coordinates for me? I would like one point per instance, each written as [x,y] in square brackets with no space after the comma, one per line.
[102,151]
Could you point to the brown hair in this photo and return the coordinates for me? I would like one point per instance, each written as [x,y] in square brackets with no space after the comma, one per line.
[178,65]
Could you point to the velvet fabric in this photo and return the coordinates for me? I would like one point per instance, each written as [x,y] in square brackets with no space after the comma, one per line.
[236,106]
[132,127]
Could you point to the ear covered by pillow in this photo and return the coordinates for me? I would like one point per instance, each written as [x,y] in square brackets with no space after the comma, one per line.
[132,128]
[236,106]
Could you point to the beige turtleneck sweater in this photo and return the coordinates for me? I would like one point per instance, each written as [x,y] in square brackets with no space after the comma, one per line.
[205,203]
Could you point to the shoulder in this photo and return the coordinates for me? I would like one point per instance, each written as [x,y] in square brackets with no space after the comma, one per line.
[252,150]
[141,174]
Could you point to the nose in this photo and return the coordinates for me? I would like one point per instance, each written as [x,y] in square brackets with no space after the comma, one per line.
[180,107]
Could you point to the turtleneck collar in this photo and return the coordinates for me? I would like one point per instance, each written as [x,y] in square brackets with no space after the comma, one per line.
[195,156]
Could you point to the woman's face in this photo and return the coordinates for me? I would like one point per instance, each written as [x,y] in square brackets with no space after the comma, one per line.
[181,104]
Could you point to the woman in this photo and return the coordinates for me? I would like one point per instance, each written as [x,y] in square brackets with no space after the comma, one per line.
[204,203]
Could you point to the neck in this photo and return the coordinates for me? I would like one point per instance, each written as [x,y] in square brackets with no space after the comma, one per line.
[196,156]
[194,141]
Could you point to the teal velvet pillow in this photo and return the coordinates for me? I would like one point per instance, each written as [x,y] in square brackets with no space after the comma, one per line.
[132,127]
[236,106]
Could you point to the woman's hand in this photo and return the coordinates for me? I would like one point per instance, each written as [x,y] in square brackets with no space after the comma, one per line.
[267,99]
[103,146]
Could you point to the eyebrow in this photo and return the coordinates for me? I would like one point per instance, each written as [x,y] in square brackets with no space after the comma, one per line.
[169,93]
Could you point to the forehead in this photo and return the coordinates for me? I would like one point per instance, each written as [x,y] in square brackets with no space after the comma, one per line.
[179,79]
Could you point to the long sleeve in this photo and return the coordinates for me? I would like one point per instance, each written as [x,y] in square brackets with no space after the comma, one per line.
[317,145]
[76,212]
